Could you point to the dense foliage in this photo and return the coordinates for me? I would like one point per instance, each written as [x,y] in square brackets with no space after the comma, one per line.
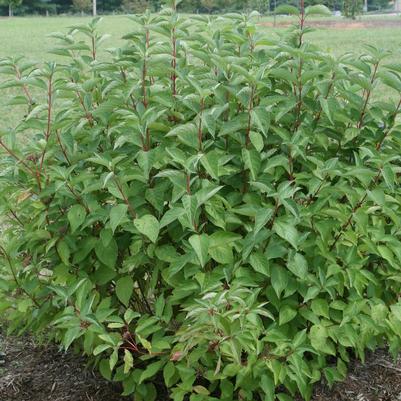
[190,6]
[212,213]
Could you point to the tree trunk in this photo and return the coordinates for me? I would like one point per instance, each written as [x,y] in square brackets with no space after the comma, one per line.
[397,6]
[10,10]
[94,8]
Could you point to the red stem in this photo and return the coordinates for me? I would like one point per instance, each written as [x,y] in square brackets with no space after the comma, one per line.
[12,154]
[49,116]
[120,189]
[368,93]
[174,63]
[24,87]
[188,183]
[200,139]
[14,274]
[250,108]
[93,48]
[62,148]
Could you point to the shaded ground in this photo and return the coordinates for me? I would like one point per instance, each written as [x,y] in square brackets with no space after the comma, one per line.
[36,373]
[342,23]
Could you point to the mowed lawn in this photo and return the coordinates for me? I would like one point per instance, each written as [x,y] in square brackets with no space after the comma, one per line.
[29,36]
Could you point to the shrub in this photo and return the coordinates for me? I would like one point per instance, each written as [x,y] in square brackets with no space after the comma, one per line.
[207,210]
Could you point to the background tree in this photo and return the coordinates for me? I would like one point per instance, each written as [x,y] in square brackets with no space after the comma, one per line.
[11,4]
[82,5]
[348,7]
[352,8]
[135,6]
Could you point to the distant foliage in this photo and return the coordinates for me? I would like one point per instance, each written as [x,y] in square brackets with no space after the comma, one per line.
[189,6]
[209,212]
[352,8]
[10,5]
[135,6]
[82,5]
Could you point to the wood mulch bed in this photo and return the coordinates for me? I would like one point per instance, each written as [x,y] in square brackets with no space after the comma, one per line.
[34,372]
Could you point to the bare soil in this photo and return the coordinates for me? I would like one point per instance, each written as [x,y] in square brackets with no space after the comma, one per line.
[343,24]
[34,372]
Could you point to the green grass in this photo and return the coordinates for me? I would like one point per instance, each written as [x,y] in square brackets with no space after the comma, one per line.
[30,37]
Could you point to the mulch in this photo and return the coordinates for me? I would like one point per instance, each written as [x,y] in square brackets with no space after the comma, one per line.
[35,372]
[378,379]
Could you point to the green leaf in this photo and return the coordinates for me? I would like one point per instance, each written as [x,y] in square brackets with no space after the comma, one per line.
[113,359]
[148,226]
[210,162]
[284,397]
[222,254]
[101,348]
[386,253]
[220,246]
[150,371]
[205,194]
[320,307]
[287,231]
[71,335]
[389,176]
[260,263]
[268,387]
[104,369]
[261,218]
[390,79]
[76,216]
[318,336]
[171,215]
[201,390]
[124,289]
[298,265]
[257,140]
[128,361]
[252,162]
[286,314]
[168,373]
[107,254]
[117,215]
[64,252]
[279,279]
[200,244]
[326,109]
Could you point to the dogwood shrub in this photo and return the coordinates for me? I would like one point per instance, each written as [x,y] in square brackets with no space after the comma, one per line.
[210,211]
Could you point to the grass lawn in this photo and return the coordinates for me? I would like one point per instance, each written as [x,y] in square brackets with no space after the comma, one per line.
[29,37]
